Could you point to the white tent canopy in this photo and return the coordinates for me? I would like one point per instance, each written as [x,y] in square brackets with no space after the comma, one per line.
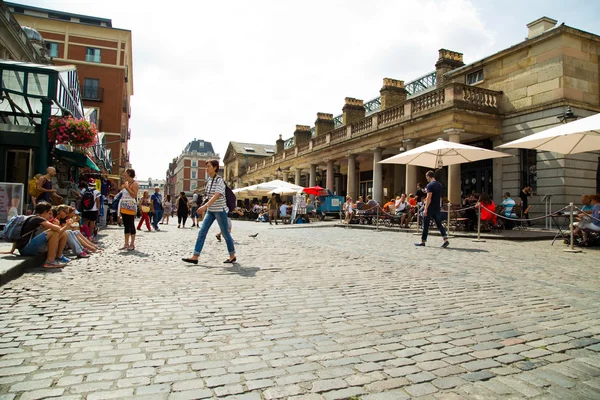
[575,137]
[440,153]
[267,188]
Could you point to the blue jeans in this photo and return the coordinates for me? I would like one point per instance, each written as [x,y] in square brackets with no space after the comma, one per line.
[37,245]
[157,217]
[209,218]
[437,217]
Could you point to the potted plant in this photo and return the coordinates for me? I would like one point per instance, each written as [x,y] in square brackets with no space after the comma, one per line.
[79,133]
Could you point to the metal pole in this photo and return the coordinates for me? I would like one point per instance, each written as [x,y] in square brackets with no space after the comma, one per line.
[449,208]
[479,224]
[418,221]
[377,217]
[572,249]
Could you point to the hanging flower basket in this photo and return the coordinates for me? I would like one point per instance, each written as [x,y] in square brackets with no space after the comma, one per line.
[68,130]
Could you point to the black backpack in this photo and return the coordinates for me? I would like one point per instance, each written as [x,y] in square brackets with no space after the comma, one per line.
[230,198]
[88,200]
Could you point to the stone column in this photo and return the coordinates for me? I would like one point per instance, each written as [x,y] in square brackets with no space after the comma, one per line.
[312,179]
[284,176]
[298,173]
[330,165]
[411,173]
[400,180]
[454,170]
[338,179]
[352,189]
[377,176]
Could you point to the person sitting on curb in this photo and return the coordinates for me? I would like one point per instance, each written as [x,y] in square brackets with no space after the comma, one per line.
[54,238]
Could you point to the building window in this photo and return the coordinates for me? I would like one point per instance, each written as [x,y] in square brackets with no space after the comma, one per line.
[529,168]
[193,186]
[269,151]
[475,77]
[91,89]
[249,149]
[194,175]
[92,55]
[194,163]
[52,49]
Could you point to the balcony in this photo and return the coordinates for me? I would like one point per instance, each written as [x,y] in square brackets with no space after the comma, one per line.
[455,96]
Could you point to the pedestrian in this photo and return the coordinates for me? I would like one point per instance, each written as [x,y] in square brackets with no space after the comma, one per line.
[40,234]
[44,186]
[145,208]
[182,209]
[348,210]
[272,209]
[90,212]
[216,209]
[196,202]
[525,194]
[157,207]
[432,210]
[128,207]
[167,209]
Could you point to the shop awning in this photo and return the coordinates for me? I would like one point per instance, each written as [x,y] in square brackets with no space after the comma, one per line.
[76,159]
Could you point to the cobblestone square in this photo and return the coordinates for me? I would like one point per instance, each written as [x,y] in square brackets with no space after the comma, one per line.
[310,312]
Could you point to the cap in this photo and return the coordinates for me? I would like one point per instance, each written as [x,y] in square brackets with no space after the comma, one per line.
[92,181]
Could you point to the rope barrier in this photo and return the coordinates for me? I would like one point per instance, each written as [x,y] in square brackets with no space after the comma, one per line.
[554,213]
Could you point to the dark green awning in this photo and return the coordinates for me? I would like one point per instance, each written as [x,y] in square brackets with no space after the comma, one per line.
[76,159]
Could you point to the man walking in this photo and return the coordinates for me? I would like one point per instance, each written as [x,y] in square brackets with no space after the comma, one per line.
[157,208]
[525,194]
[273,209]
[432,210]
[44,186]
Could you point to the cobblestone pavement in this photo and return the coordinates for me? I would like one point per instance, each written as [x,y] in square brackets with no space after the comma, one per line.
[308,313]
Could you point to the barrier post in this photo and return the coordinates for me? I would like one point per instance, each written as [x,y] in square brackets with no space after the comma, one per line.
[572,248]
[377,223]
[449,205]
[479,225]
[418,233]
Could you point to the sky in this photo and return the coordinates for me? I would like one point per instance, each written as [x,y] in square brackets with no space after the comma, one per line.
[249,71]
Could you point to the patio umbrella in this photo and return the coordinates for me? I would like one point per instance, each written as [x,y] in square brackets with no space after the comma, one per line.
[441,152]
[575,137]
[315,190]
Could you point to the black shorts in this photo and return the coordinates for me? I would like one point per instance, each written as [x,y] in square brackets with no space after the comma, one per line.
[90,215]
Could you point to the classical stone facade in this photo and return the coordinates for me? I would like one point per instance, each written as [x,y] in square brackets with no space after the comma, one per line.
[513,93]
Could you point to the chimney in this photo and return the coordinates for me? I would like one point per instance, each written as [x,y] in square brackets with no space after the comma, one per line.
[352,111]
[447,61]
[302,134]
[323,124]
[280,143]
[392,93]
[540,26]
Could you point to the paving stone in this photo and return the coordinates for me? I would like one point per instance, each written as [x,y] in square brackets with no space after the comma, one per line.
[509,358]
[480,364]
[328,384]
[448,382]
[421,389]
[281,392]
[519,386]
[343,393]
[113,394]
[535,353]
[389,395]
[42,394]
[386,385]
[31,385]
[190,395]
[402,371]
[420,377]
[478,376]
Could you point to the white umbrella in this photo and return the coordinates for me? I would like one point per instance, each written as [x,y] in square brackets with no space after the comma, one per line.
[267,188]
[575,137]
[441,152]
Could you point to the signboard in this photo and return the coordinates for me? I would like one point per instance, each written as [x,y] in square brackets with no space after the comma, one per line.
[11,200]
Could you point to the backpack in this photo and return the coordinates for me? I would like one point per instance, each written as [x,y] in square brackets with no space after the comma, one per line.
[230,198]
[198,199]
[32,188]
[12,229]
[88,200]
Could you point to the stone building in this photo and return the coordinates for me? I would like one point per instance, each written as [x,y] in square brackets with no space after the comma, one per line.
[513,93]
[187,171]
[240,155]
[104,61]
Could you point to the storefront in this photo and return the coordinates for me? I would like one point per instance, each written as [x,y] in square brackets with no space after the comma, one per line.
[477,177]
[30,94]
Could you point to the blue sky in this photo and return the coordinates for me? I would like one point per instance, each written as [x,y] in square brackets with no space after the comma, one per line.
[250,71]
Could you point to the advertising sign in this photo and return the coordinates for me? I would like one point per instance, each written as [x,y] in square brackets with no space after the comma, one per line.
[11,200]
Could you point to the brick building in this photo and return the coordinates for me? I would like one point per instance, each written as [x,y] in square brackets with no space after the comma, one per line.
[513,93]
[103,56]
[187,171]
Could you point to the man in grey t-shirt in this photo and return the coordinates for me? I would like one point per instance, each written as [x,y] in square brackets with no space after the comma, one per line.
[195,205]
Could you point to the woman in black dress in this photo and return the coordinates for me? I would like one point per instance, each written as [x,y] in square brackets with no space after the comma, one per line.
[182,209]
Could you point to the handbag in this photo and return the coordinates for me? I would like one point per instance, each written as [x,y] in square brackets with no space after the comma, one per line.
[145,209]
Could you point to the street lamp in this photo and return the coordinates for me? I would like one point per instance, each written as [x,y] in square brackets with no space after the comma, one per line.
[279,173]
[568,116]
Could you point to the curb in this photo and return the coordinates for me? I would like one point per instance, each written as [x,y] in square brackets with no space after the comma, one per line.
[17,270]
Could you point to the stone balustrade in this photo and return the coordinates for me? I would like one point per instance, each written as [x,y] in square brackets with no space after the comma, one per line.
[454,95]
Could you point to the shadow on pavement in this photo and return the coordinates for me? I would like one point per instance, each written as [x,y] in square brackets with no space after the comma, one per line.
[466,250]
[238,269]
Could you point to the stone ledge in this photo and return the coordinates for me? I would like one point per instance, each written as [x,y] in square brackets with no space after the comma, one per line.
[12,266]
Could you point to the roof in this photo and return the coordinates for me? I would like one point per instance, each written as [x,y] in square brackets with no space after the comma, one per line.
[257,149]
[107,21]
[199,146]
